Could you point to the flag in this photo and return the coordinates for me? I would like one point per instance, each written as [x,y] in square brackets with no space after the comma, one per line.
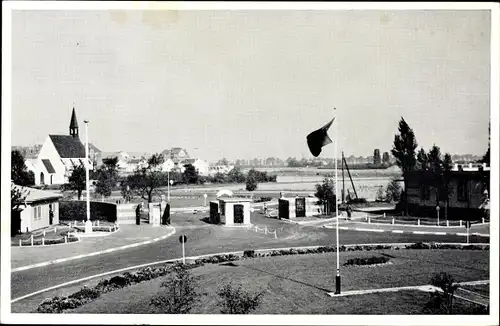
[319,138]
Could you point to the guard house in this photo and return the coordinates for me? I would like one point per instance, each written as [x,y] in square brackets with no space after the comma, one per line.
[291,208]
[235,211]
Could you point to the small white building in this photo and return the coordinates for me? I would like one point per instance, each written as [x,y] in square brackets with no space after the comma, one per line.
[235,211]
[40,209]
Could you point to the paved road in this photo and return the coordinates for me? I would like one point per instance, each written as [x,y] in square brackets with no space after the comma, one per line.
[205,239]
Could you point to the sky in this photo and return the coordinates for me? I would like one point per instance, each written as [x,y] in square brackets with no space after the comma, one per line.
[244,84]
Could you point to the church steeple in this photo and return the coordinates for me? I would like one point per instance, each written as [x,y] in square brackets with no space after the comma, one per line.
[73,125]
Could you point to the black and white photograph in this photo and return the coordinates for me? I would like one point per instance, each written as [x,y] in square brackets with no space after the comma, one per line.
[296,163]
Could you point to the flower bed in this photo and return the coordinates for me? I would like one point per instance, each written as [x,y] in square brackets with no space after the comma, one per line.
[86,294]
[374,260]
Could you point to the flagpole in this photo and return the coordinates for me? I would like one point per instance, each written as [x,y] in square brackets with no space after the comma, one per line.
[337,278]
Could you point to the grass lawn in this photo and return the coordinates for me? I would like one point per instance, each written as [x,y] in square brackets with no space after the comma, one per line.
[299,284]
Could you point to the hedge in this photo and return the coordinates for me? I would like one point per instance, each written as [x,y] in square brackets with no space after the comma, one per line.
[76,210]
[366,261]
[85,295]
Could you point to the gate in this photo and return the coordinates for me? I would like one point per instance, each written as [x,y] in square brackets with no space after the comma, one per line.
[238,213]
[283,209]
[300,207]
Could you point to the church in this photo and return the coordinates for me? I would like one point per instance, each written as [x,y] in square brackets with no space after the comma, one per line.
[59,155]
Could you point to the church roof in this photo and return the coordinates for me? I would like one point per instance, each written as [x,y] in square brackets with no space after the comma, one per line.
[48,166]
[68,146]
[74,122]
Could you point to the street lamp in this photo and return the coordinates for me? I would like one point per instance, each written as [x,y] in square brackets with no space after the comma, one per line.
[88,224]
[437,210]
[170,183]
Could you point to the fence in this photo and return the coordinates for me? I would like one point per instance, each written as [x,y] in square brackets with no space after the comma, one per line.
[266,231]
[392,219]
[38,238]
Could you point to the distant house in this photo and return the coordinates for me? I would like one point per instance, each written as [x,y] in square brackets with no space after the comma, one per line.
[214,169]
[466,196]
[40,209]
[203,167]
[176,154]
[59,155]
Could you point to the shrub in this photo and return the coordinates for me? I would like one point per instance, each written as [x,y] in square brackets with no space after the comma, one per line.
[179,294]
[357,201]
[249,253]
[86,293]
[441,302]
[233,300]
[366,261]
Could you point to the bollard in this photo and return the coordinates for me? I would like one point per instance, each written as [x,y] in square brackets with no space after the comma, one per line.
[483,220]
[384,217]
[65,239]
[44,233]
[265,230]
[275,235]
[20,243]
[55,229]
[460,223]
[110,229]
[366,217]
[447,223]
[32,240]
[369,220]
[418,222]
[98,222]
[43,241]
[393,221]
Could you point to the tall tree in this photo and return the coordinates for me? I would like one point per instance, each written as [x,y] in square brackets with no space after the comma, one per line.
[147,179]
[17,196]
[376,157]
[422,160]
[447,188]
[76,181]
[403,150]
[486,156]
[436,171]
[107,177]
[19,173]
[386,160]
[236,176]
[190,175]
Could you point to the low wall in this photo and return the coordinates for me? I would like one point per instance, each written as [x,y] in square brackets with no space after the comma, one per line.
[76,210]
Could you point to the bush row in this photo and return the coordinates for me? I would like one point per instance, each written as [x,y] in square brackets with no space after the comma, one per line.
[366,261]
[432,245]
[85,295]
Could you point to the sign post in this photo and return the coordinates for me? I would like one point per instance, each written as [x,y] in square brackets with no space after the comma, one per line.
[183,239]
[467,226]
[205,199]
[437,210]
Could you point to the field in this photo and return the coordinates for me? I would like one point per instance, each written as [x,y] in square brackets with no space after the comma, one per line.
[299,284]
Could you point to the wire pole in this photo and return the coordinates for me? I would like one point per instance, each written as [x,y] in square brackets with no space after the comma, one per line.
[337,278]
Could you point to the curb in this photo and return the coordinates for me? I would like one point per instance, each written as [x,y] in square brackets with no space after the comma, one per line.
[240,253]
[62,260]
[406,232]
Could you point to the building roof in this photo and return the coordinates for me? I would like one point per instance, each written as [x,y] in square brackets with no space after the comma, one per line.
[35,195]
[94,148]
[74,122]
[189,161]
[48,166]
[68,146]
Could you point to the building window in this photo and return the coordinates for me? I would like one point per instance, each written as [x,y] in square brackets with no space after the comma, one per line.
[37,213]
[462,191]
[425,192]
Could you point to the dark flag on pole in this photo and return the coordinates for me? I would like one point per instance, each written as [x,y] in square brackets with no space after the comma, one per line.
[317,139]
